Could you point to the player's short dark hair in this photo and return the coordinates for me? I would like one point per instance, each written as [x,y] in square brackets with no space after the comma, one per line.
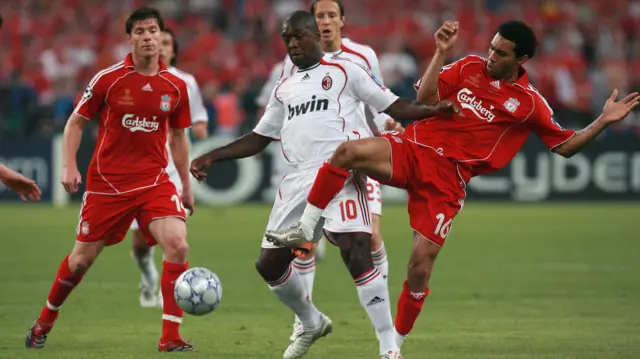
[141,14]
[302,18]
[520,34]
[174,60]
[0,21]
[315,3]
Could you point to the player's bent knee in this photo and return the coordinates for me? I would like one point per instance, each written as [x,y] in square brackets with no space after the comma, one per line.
[346,155]
[83,255]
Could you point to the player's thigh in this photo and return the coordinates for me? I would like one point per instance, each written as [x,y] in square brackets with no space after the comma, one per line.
[289,202]
[434,199]
[104,218]
[349,211]
[162,215]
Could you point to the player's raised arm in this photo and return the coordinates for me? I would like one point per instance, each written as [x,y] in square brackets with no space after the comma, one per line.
[362,85]
[612,112]
[427,86]
[266,131]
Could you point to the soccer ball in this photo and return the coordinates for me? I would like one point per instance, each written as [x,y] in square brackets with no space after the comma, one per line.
[198,291]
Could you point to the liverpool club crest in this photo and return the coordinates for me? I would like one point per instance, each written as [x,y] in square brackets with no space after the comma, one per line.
[512,105]
[165,103]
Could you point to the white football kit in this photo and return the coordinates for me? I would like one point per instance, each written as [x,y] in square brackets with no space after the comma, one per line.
[312,112]
[362,55]
[198,114]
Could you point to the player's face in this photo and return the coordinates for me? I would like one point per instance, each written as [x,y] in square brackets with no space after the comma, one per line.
[166,50]
[502,58]
[301,43]
[145,38]
[329,20]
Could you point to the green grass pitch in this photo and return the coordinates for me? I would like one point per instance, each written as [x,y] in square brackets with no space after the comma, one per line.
[513,282]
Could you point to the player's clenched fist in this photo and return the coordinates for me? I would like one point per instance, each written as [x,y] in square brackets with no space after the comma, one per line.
[198,167]
[71,179]
[446,36]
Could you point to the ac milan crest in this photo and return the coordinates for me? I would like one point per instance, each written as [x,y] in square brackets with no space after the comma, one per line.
[327,82]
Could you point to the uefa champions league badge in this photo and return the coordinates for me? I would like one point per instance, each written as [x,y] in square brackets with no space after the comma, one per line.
[165,103]
[327,82]
[511,105]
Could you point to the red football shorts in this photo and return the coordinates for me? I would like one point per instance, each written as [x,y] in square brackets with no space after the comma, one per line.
[108,217]
[434,184]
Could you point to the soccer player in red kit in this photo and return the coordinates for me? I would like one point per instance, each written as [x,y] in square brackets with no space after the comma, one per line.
[138,103]
[435,158]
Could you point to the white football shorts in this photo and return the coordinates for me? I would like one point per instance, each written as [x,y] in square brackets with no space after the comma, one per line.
[347,213]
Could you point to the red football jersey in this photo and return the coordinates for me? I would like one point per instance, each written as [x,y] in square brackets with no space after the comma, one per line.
[498,118]
[135,113]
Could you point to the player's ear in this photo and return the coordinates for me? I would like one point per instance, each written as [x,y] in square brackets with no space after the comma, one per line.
[342,21]
[522,59]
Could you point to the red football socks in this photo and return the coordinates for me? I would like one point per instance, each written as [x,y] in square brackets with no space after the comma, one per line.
[409,307]
[329,182]
[171,313]
[63,285]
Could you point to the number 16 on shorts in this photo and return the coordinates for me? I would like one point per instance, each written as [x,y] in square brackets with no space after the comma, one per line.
[443,227]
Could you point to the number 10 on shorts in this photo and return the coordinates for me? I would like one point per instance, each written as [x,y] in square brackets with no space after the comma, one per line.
[348,210]
[443,228]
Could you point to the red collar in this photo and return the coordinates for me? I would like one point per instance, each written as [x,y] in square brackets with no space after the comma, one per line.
[128,62]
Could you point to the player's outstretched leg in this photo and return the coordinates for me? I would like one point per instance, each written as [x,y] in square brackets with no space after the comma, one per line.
[370,155]
[416,288]
[305,265]
[70,273]
[171,235]
[143,256]
[378,251]
[274,265]
[373,292]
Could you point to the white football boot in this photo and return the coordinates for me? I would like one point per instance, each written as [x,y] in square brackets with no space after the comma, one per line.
[303,342]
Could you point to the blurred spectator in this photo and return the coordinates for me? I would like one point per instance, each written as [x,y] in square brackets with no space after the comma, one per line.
[50,49]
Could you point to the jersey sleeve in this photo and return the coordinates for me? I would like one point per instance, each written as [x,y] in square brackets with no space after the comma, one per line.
[364,86]
[270,123]
[545,126]
[93,98]
[448,79]
[196,104]
[181,115]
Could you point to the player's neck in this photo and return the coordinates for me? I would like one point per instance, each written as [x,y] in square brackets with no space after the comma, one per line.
[332,46]
[513,76]
[147,66]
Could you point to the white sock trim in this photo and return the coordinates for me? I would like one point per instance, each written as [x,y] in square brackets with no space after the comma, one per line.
[52,307]
[171,318]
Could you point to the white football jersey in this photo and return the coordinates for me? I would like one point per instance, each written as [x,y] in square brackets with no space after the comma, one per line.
[314,110]
[362,55]
[198,113]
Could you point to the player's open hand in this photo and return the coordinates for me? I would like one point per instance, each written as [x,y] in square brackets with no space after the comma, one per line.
[448,108]
[198,167]
[24,187]
[391,125]
[188,201]
[615,111]
[71,179]
[447,35]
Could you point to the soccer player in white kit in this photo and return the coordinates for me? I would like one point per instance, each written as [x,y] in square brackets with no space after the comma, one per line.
[150,296]
[311,113]
[330,17]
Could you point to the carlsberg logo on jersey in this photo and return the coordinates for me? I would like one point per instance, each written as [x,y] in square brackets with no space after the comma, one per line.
[469,101]
[309,106]
[135,123]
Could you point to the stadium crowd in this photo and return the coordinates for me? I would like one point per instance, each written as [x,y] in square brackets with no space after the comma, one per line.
[50,49]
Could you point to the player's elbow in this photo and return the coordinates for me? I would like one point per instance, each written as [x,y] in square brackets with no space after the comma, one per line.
[200,130]
[565,151]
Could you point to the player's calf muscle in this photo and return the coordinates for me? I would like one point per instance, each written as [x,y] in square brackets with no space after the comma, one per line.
[273,263]
[423,257]
[355,249]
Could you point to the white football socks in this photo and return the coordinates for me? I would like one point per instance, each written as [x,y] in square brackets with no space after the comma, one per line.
[374,298]
[290,289]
